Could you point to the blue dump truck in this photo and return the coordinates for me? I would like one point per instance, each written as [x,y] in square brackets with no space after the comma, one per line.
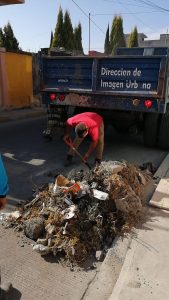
[130,90]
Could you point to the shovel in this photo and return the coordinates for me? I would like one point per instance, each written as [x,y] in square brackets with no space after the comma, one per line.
[78,154]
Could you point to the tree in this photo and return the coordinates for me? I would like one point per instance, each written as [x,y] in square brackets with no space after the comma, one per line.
[8,39]
[78,39]
[68,32]
[2,38]
[117,38]
[107,42]
[133,39]
[58,39]
[51,39]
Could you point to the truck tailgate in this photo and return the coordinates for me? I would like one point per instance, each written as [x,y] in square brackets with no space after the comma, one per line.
[137,75]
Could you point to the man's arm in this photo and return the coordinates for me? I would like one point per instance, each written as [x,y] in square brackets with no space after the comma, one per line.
[3,185]
[90,150]
[67,138]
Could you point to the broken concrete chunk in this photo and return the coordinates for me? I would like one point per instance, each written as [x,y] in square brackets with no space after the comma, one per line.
[34,228]
[100,195]
[43,250]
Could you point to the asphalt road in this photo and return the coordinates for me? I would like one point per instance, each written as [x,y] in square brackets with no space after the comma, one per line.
[29,159]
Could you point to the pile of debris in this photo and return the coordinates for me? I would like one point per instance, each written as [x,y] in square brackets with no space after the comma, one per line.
[81,214]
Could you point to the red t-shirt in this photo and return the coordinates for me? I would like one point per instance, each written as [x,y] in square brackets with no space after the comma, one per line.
[92,122]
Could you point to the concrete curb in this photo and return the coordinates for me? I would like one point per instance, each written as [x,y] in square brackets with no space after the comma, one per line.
[161,195]
[107,278]
[102,285]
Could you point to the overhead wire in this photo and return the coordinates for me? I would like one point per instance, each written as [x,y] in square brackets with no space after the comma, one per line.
[152,4]
[127,2]
[135,15]
[126,13]
[87,15]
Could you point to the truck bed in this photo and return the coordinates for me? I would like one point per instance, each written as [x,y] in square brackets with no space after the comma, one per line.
[140,75]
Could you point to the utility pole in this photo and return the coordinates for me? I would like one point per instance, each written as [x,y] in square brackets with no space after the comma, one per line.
[166,37]
[89,31]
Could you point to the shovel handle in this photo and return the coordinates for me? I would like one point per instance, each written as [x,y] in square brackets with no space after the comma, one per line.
[77,152]
[87,164]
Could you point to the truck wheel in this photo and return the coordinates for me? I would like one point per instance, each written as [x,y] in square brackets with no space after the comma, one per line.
[163,138]
[151,129]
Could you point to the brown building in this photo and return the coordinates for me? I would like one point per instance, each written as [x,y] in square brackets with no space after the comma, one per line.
[95,53]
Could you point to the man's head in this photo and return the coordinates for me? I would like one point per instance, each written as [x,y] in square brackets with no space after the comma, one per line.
[81,130]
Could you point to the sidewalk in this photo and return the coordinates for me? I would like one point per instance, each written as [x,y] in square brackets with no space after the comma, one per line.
[145,271]
[21,114]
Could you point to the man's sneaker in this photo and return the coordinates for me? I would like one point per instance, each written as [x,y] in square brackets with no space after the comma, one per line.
[69,160]
[97,161]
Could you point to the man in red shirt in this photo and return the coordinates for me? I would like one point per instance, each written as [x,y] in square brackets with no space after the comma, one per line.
[88,123]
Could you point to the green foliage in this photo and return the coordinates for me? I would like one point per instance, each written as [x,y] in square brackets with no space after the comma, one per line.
[2,38]
[51,39]
[107,42]
[117,38]
[133,39]
[68,32]
[7,38]
[78,39]
[65,36]
[58,39]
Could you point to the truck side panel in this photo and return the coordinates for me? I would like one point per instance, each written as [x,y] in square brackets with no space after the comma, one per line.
[139,75]
[124,74]
[67,73]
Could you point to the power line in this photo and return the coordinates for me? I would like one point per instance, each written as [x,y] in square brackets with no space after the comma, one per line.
[88,17]
[126,13]
[140,20]
[122,3]
[144,2]
[152,4]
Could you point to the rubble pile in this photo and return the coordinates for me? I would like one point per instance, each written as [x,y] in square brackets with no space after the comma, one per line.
[81,214]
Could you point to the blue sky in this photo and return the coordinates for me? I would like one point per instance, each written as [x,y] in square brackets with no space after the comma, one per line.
[33,21]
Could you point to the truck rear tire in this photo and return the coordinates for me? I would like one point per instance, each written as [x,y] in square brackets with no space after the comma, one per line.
[151,124]
[163,138]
